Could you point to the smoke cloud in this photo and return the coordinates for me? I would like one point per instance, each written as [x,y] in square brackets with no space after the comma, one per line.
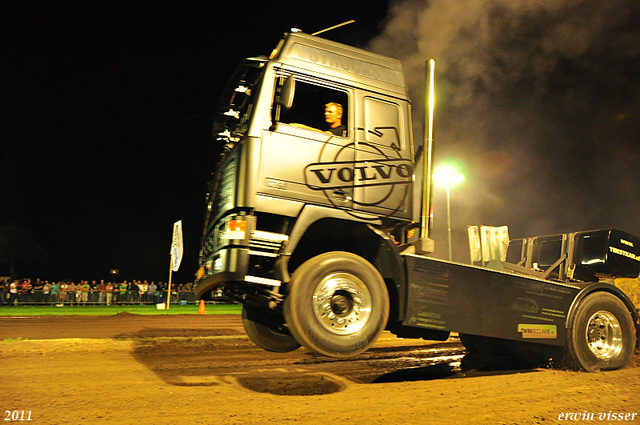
[541,102]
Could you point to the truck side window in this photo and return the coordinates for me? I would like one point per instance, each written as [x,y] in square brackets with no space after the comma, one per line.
[382,122]
[547,250]
[592,249]
[515,251]
[309,105]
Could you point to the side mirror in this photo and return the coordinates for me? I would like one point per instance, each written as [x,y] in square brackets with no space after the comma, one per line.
[284,100]
[287,92]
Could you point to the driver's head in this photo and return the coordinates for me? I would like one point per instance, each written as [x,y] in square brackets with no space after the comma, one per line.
[333,114]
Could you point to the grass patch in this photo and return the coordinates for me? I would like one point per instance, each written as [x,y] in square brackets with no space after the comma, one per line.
[101,310]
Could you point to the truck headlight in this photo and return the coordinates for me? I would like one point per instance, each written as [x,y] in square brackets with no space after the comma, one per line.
[217,265]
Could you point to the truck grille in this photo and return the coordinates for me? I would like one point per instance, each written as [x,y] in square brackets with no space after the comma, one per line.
[226,191]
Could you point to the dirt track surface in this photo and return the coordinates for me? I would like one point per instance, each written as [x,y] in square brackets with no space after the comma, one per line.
[129,369]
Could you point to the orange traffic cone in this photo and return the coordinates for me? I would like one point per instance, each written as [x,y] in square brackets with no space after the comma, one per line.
[201,309]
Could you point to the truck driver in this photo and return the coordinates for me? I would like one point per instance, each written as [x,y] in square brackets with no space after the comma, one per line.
[333,117]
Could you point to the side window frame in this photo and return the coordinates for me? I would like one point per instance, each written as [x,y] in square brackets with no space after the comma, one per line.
[315,94]
[380,132]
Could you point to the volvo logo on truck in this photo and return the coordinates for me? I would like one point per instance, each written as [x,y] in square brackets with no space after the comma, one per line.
[372,170]
[337,175]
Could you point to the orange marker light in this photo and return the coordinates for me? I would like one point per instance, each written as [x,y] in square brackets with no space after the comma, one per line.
[237,226]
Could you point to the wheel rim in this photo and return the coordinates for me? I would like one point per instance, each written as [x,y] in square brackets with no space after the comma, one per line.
[342,303]
[604,335]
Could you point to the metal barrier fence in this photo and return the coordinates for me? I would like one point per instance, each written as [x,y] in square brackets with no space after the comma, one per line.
[38,297]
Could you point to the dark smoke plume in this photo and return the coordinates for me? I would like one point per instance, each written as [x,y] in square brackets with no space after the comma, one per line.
[539,99]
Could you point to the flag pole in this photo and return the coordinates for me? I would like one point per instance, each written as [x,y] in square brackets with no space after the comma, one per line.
[176,255]
[169,287]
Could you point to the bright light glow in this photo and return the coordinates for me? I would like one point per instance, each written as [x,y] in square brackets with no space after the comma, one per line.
[447,176]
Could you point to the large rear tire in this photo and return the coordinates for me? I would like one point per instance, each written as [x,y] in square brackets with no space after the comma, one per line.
[267,330]
[603,335]
[337,304]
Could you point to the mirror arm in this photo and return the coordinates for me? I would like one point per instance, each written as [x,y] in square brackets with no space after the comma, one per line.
[275,116]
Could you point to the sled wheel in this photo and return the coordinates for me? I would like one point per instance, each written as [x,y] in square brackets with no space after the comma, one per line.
[337,304]
[267,330]
[603,336]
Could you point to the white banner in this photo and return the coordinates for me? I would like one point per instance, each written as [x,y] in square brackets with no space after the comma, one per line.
[501,242]
[474,243]
[176,246]
[485,237]
[495,242]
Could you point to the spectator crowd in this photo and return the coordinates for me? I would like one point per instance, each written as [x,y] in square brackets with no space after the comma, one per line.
[38,292]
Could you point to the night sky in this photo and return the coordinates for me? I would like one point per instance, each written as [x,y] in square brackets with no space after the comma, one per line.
[107,111]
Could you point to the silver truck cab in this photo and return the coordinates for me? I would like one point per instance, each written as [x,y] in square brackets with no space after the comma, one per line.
[283,176]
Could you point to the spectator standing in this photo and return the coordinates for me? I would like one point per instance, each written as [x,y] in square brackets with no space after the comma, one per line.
[109,293]
[133,291]
[180,291]
[25,291]
[36,291]
[79,292]
[142,291]
[93,293]
[84,292]
[13,292]
[3,292]
[102,289]
[162,291]
[151,292]
[54,292]
[64,287]
[122,293]
[117,299]
[71,293]
[46,290]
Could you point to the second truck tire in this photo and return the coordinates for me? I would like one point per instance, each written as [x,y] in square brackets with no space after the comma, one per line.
[267,330]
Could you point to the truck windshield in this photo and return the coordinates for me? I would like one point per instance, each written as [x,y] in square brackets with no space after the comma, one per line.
[236,103]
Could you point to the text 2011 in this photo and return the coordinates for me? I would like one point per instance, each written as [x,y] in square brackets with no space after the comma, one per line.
[17,415]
